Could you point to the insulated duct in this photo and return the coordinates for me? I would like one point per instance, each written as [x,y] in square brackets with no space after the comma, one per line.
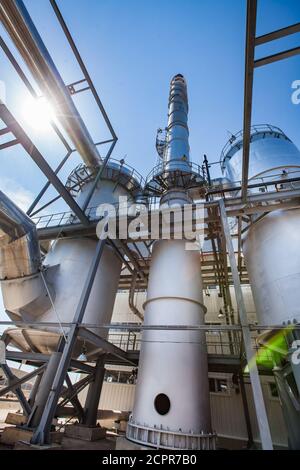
[19,249]
[29,43]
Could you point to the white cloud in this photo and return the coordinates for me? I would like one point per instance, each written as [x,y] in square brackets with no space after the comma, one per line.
[19,195]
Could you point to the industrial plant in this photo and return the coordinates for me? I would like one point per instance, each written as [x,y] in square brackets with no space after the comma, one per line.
[155,311]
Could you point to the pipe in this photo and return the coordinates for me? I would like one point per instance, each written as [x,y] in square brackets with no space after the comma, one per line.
[132,305]
[19,248]
[178,150]
[19,25]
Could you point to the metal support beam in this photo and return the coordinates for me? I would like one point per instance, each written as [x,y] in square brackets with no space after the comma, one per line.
[77,388]
[93,395]
[279,33]
[82,66]
[246,411]
[15,382]
[103,344]
[74,398]
[37,157]
[44,390]
[259,404]
[44,189]
[98,176]
[248,90]
[42,433]
[275,57]
[17,391]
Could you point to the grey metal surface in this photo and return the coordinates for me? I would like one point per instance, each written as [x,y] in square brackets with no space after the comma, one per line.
[19,248]
[19,25]
[167,357]
[272,256]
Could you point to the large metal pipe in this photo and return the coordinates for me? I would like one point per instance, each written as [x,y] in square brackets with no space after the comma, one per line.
[19,249]
[27,40]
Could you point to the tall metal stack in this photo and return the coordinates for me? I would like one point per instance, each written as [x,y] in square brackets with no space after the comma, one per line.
[171,408]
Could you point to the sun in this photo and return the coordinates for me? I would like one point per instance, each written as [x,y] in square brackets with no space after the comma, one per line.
[38,113]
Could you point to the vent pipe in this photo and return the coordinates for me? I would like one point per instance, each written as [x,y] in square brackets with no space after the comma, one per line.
[19,25]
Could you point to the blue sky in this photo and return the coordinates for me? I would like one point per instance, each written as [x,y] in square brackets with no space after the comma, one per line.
[132,49]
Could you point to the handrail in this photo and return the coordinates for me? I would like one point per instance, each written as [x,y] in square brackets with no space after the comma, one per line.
[237,138]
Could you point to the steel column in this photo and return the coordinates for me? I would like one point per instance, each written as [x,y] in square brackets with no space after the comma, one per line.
[261,414]
[35,389]
[93,395]
[246,410]
[44,390]
[248,90]
[74,398]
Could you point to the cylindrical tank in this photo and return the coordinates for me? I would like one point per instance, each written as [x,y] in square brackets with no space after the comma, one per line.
[271,244]
[271,249]
[271,152]
[65,271]
[171,407]
[272,255]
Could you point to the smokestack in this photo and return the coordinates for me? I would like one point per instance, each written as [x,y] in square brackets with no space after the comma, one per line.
[177,153]
[171,408]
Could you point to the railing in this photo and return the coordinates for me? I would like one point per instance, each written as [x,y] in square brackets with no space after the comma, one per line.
[128,341]
[218,342]
[81,174]
[238,138]
[162,167]
[266,182]
[68,218]
[61,218]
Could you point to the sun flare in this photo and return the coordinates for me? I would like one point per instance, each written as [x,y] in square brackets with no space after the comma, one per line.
[38,113]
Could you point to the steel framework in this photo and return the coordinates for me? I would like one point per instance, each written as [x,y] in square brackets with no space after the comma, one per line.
[221,266]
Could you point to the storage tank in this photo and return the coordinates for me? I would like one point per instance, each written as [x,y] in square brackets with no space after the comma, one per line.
[271,244]
[272,256]
[171,408]
[52,295]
